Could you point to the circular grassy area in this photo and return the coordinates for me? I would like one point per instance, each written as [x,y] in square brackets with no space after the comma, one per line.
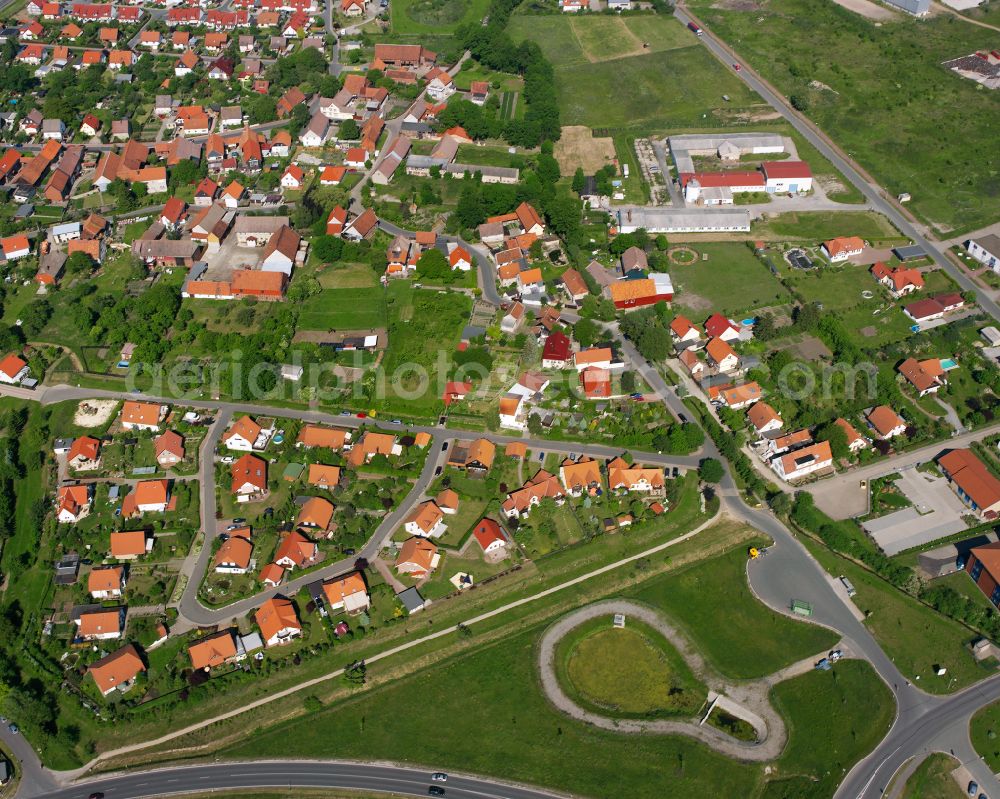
[629,673]
[436,12]
[682,256]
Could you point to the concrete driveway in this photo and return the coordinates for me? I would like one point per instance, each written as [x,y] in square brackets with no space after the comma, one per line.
[936,513]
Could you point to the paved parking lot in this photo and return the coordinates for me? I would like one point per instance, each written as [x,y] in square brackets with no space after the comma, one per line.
[936,513]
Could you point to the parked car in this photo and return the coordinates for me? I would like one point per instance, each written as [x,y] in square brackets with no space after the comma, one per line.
[973,788]
[437,471]
[836,655]
[14,729]
[362,415]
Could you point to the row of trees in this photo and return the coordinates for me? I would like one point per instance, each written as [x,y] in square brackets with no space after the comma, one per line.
[491,46]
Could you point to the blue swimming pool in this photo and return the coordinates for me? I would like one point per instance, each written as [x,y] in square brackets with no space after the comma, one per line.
[748,322]
[948,363]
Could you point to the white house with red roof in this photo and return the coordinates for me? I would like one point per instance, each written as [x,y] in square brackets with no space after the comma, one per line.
[718,326]
[683,330]
[557,352]
[787,177]
[842,248]
[489,536]
[459,257]
[13,369]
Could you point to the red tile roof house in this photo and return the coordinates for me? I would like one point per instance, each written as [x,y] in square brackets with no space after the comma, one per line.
[855,441]
[802,462]
[899,281]
[117,671]
[13,369]
[718,326]
[973,482]
[15,247]
[841,249]
[249,475]
[278,622]
[557,352]
[73,503]
[335,221]
[764,419]
[886,422]
[721,355]
[574,285]
[683,330]
[489,536]
[596,382]
[169,449]
[925,376]
[933,308]
[459,258]
[85,454]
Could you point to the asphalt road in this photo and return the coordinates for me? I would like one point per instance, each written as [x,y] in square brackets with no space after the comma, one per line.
[936,724]
[286,774]
[872,191]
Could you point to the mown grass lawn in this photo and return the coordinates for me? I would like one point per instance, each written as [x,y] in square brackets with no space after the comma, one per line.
[628,673]
[917,638]
[344,309]
[437,718]
[817,226]
[984,730]
[732,281]
[925,130]
[933,780]
[742,638]
[483,711]
[834,718]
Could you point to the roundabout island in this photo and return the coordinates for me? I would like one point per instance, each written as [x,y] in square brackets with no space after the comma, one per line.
[622,666]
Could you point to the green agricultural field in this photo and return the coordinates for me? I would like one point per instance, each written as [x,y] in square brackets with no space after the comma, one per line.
[933,780]
[985,734]
[732,281]
[884,97]
[681,88]
[741,637]
[818,226]
[835,718]
[428,719]
[434,16]
[578,40]
[628,673]
[607,79]
[344,309]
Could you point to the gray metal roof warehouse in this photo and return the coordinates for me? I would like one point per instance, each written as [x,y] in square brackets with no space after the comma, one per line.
[669,220]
